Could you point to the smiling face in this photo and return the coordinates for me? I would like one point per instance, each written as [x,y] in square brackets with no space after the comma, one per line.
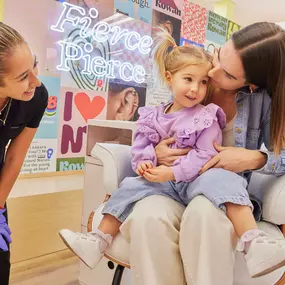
[20,78]
[228,72]
[189,85]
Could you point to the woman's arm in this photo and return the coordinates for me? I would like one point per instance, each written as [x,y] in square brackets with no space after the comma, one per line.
[15,156]
[166,155]
[236,159]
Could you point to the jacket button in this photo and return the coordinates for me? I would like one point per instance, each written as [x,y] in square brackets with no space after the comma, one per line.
[238,130]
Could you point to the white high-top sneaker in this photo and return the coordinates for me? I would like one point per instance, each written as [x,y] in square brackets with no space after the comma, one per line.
[85,246]
[265,255]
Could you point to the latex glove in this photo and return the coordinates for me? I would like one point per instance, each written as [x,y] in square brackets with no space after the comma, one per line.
[5,233]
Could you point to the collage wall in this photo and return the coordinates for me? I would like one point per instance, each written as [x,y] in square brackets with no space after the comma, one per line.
[105,77]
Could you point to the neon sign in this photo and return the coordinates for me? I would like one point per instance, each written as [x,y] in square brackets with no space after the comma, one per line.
[100,32]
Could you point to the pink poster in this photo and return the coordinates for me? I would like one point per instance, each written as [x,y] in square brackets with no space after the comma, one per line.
[76,108]
[194,22]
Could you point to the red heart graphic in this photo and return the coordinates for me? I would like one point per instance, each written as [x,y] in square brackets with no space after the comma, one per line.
[88,109]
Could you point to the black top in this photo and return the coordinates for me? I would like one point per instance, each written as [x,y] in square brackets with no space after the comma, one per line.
[22,114]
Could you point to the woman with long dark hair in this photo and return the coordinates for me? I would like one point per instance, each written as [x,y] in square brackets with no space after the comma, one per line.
[171,245]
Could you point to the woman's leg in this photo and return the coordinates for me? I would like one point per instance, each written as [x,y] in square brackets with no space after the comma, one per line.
[207,244]
[4,263]
[152,230]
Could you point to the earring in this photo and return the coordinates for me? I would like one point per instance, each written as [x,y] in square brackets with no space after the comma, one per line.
[252,88]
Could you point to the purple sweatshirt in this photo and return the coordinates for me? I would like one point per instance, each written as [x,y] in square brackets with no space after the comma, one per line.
[197,127]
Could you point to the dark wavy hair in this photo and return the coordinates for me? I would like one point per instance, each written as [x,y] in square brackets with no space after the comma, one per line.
[262,50]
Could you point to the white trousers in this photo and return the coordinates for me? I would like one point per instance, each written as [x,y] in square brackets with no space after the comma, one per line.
[169,243]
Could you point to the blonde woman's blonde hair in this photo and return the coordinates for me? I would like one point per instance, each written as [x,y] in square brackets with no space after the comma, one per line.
[170,57]
[9,40]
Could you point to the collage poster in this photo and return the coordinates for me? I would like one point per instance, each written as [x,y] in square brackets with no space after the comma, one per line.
[108,76]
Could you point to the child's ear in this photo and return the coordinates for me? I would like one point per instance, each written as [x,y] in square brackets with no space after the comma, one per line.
[168,77]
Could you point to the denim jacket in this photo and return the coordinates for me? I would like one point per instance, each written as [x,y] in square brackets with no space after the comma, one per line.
[252,128]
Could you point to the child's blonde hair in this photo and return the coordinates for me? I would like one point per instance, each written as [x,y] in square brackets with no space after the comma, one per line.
[172,58]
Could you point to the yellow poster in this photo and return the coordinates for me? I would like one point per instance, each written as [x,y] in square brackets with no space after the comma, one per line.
[1,9]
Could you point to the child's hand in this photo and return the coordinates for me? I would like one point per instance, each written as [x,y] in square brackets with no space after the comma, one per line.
[142,167]
[159,174]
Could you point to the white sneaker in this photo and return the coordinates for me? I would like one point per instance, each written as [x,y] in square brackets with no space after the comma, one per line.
[265,255]
[85,246]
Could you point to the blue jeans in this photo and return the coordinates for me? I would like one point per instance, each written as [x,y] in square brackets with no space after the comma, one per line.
[218,185]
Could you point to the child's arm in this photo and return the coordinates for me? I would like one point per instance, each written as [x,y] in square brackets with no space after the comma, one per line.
[187,168]
[145,140]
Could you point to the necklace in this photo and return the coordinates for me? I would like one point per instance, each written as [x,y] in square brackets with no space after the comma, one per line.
[5,106]
[3,120]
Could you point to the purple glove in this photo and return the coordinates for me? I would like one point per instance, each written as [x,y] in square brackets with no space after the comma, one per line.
[4,232]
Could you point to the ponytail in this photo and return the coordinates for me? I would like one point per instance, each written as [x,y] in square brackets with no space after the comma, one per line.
[166,47]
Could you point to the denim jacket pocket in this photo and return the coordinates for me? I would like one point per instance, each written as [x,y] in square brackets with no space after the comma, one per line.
[252,138]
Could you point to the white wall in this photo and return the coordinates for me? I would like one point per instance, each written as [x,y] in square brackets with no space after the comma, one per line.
[282,24]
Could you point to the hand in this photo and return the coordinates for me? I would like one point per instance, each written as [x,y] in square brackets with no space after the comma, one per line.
[235,159]
[166,155]
[143,166]
[4,232]
[159,174]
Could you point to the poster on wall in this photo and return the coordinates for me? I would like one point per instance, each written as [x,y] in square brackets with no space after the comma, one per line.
[41,157]
[157,92]
[232,27]
[76,108]
[168,23]
[137,9]
[48,128]
[124,101]
[130,45]
[169,7]
[194,23]
[106,7]
[73,72]
[217,27]
[211,47]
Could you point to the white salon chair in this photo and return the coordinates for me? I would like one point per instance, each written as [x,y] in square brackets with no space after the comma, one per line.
[116,160]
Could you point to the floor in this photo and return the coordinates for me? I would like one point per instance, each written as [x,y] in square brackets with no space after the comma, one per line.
[38,207]
[59,268]
[46,185]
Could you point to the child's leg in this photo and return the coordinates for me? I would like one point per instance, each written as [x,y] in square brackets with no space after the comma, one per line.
[241,217]
[264,254]
[109,225]
[90,247]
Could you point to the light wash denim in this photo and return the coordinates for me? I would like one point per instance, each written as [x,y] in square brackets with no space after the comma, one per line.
[214,184]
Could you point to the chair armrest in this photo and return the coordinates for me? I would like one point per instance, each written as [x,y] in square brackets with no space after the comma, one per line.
[116,160]
[274,201]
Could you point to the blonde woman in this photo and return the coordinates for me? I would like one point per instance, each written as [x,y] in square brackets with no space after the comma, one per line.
[22,104]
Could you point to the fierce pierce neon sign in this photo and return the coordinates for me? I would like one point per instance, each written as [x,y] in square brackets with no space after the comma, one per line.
[100,32]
